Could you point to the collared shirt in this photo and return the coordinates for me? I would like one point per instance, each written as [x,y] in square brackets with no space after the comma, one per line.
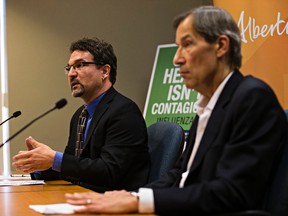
[204,108]
[91,109]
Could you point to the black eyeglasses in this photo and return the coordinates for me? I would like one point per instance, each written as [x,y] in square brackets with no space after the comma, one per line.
[77,65]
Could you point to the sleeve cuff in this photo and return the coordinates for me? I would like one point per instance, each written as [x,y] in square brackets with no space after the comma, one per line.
[36,175]
[146,200]
[57,161]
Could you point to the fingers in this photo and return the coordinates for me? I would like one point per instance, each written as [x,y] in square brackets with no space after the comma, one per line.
[23,162]
[77,195]
[29,146]
[21,152]
[31,143]
[21,157]
[25,167]
[89,209]
[81,210]
[74,199]
[79,198]
[87,201]
[25,170]
[104,203]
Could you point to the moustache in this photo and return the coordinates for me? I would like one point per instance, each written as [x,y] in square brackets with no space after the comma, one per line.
[74,82]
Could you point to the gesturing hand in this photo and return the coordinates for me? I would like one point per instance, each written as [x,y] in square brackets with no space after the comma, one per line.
[38,157]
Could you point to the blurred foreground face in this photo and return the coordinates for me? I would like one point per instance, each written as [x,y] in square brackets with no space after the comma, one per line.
[196,57]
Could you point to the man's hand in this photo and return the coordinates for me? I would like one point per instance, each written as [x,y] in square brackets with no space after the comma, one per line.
[109,202]
[38,157]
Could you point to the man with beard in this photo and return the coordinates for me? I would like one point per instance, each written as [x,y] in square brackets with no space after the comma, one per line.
[235,140]
[113,153]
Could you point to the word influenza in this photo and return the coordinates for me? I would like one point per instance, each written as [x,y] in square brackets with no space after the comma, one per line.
[182,120]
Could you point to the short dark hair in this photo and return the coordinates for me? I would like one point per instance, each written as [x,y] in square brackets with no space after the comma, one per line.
[102,52]
[211,22]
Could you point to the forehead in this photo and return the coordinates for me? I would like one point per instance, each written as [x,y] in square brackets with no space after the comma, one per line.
[185,30]
[78,55]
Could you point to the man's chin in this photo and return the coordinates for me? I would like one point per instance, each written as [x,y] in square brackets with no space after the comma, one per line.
[76,94]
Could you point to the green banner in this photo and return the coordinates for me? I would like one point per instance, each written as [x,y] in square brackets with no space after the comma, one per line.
[168,99]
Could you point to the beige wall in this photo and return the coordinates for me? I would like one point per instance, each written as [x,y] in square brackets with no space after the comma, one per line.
[38,37]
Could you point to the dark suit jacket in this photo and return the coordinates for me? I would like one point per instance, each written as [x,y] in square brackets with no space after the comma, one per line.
[236,156]
[115,154]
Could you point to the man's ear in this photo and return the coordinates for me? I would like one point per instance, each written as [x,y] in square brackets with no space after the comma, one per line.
[222,45]
[106,69]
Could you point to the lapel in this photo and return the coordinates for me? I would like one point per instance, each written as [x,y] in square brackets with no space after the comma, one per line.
[217,115]
[99,112]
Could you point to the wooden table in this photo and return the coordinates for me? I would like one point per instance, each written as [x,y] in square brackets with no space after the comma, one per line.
[15,200]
